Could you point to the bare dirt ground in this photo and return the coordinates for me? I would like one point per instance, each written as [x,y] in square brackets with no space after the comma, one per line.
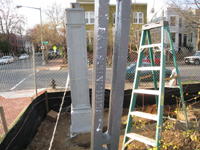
[173,135]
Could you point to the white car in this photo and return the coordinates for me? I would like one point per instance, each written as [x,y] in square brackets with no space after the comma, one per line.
[24,56]
[6,60]
[195,59]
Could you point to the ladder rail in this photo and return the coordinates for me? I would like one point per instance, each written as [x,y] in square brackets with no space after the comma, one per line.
[161,92]
[134,96]
[178,78]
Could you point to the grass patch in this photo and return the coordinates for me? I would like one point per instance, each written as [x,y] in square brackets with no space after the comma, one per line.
[190,82]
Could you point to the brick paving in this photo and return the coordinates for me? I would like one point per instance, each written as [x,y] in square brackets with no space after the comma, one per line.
[13,107]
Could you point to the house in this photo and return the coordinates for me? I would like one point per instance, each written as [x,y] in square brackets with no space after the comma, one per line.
[27,46]
[184,35]
[138,18]
[15,42]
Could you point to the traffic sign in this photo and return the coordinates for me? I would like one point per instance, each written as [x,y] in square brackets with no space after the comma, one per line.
[54,47]
[42,48]
[45,42]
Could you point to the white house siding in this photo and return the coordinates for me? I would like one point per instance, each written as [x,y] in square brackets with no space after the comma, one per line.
[184,30]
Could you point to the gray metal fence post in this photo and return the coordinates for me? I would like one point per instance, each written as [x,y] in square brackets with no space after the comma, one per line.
[78,70]
[123,13]
[122,28]
[3,120]
[34,66]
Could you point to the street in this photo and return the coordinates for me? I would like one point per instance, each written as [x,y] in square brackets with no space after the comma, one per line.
[19,75]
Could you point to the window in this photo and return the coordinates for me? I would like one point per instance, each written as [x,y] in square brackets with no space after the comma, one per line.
[172,21]
[114,18]
[138,17]
[19,42]
[180,22]
[89,17]
[12,39]
[173,37]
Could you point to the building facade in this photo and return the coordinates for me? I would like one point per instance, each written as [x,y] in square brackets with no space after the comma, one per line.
[184,34]
[15,42]
[138,18]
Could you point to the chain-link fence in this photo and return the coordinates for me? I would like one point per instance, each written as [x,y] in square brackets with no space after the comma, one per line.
[18,80]
[189,72]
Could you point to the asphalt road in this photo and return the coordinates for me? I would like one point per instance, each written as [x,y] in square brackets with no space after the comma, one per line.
[188,72]
[19,75]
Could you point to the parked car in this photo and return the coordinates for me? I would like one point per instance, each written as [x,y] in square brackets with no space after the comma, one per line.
[147,59]
[6,60]
[38,54]
[24,56]
[52,54]
[157,59]
[195,59]
[147,74]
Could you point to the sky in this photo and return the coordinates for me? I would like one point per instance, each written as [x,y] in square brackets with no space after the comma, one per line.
[33,15]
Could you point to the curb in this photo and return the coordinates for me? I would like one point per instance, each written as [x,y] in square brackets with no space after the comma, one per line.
[49,68]
[54,68]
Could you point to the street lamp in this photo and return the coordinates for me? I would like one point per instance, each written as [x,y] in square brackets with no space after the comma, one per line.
[42,45]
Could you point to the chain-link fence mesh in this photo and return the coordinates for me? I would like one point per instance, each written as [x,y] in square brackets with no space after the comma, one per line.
[16,77]
[18,81]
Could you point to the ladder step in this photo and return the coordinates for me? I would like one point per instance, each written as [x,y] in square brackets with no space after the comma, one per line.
[142,139]
[144,91]
[151,46]
[144,115]
[149,68]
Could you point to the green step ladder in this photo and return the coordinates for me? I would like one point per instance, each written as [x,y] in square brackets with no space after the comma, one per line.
[158,92]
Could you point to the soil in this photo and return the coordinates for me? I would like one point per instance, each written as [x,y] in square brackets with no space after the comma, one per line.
[174,135]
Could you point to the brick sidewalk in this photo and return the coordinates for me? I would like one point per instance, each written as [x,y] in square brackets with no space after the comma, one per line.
[13,107]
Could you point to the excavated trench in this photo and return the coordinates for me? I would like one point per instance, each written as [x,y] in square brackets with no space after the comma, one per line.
[21,135]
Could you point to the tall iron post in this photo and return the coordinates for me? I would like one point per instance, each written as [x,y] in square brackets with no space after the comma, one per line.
[99,70]
[42,44]
[110,139]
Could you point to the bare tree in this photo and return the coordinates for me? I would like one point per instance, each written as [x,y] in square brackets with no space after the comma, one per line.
[20,31]
[33,34]
[9,19]
[57,22]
